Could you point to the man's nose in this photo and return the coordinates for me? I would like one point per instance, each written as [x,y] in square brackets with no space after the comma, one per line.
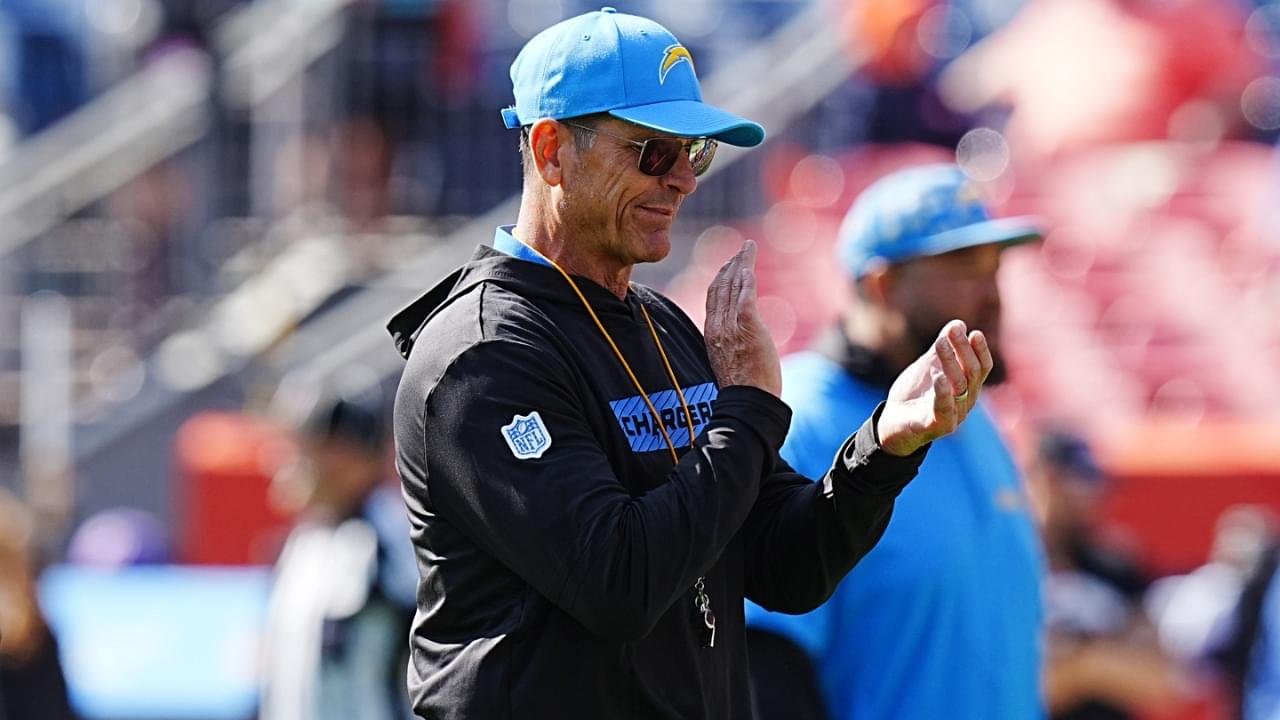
[680,177]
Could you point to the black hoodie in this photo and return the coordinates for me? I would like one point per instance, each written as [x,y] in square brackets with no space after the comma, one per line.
[558,547]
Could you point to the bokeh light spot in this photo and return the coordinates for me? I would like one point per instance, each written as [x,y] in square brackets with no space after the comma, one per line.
[817,181]
[1260,103]
[1262,31]
[982,154]
[944,32]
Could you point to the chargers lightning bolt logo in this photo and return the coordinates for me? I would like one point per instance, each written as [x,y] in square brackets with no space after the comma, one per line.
[673,56]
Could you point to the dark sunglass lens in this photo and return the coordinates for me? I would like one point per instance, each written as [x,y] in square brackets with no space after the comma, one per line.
[700,154]
[659,155]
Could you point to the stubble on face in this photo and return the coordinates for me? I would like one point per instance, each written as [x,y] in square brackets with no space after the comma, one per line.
[922,335]
[960,284]
[624,213]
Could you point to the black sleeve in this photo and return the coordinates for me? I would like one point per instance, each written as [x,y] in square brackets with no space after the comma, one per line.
[803,537]
[562,521]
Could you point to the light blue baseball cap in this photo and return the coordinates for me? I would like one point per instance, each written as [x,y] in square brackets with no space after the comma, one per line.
[625,65]
[920,211]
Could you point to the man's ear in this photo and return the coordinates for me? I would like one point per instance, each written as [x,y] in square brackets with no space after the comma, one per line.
[876,283]
[546,139]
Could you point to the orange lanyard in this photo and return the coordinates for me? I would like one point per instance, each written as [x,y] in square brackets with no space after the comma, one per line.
[688,416]
[701,600]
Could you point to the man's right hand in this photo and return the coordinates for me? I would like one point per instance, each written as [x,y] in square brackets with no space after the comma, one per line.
[738,344]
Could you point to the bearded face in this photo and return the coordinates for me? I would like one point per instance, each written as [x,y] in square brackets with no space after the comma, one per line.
[931,291]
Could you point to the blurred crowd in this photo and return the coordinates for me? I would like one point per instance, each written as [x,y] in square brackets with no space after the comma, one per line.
[1141,132]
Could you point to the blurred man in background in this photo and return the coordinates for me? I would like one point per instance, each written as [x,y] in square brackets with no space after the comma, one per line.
[31,680]
[1224,616]
[344,593]
[1252,657]
[943,618]
[1104,662]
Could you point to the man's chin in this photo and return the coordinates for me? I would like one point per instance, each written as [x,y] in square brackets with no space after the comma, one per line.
[999,370]
[656,247]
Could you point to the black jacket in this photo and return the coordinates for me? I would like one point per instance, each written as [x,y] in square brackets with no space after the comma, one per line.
[558,553]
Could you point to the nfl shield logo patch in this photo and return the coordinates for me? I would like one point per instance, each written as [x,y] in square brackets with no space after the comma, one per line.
[527,436]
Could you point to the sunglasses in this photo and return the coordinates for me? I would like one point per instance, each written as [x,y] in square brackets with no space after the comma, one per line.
[659,154]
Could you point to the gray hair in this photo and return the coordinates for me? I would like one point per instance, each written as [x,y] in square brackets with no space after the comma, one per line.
[582,138]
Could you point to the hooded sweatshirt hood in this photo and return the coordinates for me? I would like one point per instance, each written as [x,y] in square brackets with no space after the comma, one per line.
[528,279]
